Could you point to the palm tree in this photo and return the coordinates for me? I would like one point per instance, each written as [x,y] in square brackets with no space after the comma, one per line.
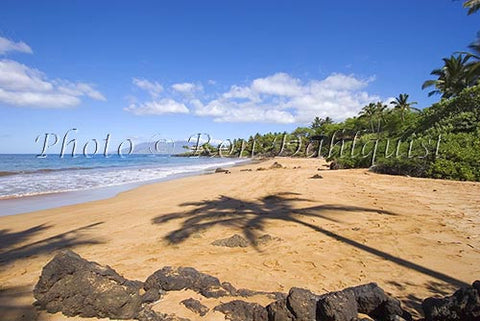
[475,54]
[380,109]
[319,122]
[402,104]
[374,112]
[475,46]
[455,75]
[369,111]
[472,5]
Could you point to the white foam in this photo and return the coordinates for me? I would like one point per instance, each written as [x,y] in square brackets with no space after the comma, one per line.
[79,180]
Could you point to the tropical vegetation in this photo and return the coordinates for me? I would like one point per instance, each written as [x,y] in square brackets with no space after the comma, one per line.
[440,141]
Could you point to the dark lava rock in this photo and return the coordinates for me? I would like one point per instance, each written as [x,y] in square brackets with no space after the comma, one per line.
[261,169]
[334,165]
[373,301]
[317,176]
[337,306]
[152,295]
[175,279]
[232,291]
[246,170]
[213,292]
[277,295]
[246,292]
[265,239]
[195,306]
[229,288]
[463,305]
[242,311]
[75,286]
[148,314]
[476,285]
[276,165]
[299,305]
[233,241]
[302,304]
[278,311]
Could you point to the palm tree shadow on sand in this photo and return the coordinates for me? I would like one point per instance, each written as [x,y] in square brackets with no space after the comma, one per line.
[13,247]
[251,218]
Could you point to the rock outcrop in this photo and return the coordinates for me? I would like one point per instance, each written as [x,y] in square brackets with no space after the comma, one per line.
[239,241]
[75,286]
[232,241]
[334,165]
[276,165]
[195,306]
[463,305]
[344,305]
[242,311]
[373,301]
[175,279]
[337,306]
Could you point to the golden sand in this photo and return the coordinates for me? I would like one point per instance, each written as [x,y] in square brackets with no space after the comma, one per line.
[414,237]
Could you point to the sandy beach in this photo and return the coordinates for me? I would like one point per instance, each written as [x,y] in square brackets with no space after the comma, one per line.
[414,237]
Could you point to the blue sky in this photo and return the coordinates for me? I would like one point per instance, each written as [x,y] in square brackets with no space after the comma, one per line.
[230,68]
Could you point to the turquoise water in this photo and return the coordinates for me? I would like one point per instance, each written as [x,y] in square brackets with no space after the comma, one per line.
[27,175]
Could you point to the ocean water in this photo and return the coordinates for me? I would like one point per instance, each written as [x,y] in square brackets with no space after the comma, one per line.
[27,175]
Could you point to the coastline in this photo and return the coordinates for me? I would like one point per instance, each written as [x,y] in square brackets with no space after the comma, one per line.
[15,205]
[414,237]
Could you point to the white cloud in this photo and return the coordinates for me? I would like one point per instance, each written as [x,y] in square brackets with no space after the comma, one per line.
[18,77]
[338,81]
[241,93]
[38,99]
[157,105]
[79,89]
[277,98]
[254,115]
[224,110]
[160,107]
[23,86]
[186,87]
[280,84]
[280,98]
[152,87]
[7,45]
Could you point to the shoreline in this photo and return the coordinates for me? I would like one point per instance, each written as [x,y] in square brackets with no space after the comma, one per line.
[14,205]
[414,237]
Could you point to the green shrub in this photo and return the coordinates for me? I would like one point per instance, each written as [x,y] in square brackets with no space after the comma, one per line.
[457,120]
[459,157]
[402,166]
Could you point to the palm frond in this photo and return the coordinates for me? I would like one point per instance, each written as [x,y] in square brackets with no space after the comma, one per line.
[472,5]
